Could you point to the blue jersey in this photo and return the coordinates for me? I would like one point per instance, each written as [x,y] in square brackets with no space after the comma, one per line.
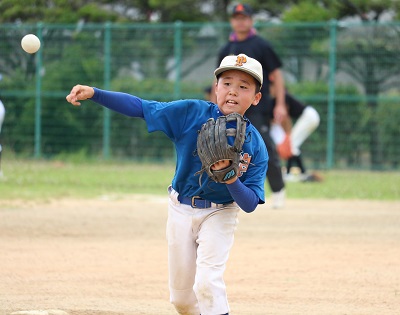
[180,121]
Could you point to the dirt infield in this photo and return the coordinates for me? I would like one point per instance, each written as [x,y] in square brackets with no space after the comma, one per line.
[109,257]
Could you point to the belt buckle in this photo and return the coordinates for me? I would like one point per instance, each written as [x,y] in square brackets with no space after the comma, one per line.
[194,201]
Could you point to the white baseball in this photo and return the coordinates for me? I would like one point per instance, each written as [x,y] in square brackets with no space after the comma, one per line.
[30,43]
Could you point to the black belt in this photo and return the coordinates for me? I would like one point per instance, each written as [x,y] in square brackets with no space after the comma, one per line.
[198,202]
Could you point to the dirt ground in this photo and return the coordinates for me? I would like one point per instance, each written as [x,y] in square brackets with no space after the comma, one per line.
[109,256]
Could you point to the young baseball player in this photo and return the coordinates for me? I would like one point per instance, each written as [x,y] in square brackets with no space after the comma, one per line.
[202,214]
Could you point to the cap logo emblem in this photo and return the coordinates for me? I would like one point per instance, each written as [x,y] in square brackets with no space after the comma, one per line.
[240,60]
[239,8]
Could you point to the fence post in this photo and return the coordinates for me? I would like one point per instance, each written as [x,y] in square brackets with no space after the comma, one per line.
[107,77]
[178,58]
[331,95]
[38,95]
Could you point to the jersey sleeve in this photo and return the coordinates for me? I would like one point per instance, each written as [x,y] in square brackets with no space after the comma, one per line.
[122,103]
[257,166]
[174,118]
[255,179]
[244,196]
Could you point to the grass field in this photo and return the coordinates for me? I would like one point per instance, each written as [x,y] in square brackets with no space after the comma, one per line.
[39,179]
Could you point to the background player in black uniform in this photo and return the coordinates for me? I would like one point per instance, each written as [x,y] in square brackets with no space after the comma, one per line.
[289,137]
[244,39]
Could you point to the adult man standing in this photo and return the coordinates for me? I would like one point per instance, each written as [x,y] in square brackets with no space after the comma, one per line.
[244,39]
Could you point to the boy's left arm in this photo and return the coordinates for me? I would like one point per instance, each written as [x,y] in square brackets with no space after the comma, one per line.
[246,198]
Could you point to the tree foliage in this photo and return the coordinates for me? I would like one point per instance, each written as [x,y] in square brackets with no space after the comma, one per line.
[71,11]
[308,11]
[366,10]
[55,11]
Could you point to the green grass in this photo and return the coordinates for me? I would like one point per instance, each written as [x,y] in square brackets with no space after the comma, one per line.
[42,179]
[370,185]
[35,180]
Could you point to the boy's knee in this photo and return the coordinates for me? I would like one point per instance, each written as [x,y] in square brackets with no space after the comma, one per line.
[312,116]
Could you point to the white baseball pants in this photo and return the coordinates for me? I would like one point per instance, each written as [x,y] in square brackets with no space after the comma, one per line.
[199,242]
[304,126]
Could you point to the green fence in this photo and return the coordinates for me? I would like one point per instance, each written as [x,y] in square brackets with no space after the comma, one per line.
[348,72]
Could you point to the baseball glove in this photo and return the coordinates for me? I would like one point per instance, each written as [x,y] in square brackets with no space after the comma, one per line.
[217,142]
[284,148]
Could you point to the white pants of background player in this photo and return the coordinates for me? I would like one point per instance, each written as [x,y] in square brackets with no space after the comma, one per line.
[199,242]
[302,129]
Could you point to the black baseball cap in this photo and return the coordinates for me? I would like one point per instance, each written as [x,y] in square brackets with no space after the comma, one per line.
[242,8]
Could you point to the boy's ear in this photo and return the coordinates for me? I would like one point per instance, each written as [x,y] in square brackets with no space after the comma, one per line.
[257,99]
[215,86]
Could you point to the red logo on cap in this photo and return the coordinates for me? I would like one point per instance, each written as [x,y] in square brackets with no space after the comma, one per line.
[239,8]
[240,60]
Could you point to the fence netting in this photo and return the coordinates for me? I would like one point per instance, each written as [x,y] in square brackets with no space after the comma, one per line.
[350,73]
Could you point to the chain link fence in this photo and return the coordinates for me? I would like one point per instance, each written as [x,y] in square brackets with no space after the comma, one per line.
[349,72]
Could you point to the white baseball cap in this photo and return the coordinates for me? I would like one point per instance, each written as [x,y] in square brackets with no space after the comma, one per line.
[243,63]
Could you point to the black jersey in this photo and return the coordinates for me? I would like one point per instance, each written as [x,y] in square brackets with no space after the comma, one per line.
[261,50]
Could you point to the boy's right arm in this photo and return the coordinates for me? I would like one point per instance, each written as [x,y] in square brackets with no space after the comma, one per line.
[122,103]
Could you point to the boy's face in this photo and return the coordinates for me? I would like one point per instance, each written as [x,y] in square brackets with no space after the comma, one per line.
[236,92]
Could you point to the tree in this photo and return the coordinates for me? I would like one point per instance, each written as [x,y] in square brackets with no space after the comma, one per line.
[368,54]
[55,11]
[366,10]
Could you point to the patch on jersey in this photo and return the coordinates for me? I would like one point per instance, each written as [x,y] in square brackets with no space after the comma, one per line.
[244,164]
[240,60]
